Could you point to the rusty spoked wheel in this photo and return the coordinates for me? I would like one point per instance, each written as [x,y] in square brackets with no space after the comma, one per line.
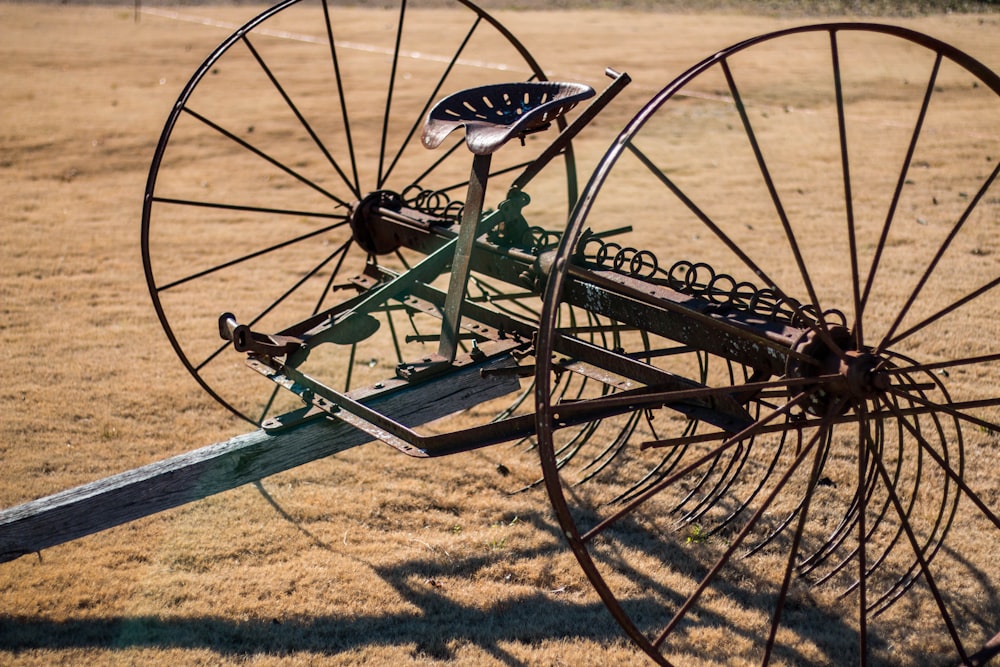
[300,122]
[821,486]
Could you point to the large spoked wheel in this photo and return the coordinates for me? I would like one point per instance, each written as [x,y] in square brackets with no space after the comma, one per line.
[301,118]
[825,492]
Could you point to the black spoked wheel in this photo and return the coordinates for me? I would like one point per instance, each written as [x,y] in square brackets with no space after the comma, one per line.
[812,475]
[302,117]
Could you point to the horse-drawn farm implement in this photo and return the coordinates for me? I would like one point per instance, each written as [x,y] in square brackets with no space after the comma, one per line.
[756,353]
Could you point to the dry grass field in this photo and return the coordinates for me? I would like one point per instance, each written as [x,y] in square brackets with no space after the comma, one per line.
[371,557]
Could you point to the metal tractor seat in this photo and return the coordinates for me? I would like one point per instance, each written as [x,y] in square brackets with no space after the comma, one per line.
[492,115]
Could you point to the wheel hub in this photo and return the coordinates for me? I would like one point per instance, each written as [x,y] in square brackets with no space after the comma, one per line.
[850,376]
[366,222]
[863,377]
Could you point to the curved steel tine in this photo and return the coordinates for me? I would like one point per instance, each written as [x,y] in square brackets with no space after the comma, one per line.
[575,444]
[900,458]
[847,524]
[722,486]
[825,445]
[616,447]
[725,479]
[706,475]
[883,602]
[942,524]
[741,507]
[657,472]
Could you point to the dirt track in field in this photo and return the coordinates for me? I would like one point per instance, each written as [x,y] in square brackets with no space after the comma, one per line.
[368,558]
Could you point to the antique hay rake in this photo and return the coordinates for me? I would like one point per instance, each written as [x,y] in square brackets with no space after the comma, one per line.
[763,344]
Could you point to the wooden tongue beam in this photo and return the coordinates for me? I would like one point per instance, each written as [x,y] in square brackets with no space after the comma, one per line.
[133,494]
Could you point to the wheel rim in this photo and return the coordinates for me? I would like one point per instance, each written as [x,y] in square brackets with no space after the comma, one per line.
[863,467]
[248,201]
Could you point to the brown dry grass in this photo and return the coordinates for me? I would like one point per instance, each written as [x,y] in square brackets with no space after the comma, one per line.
[367,558]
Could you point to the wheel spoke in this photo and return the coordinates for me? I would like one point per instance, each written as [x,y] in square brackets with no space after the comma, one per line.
[443,156]
[953,409]
[900,182]
[298,115]
[943,312]
[388,99]
[247,257]
[301,281]
[890,338]
[705,219]
[952,363]
[946,468]
[862,548]
[738,540]
[263,155]
[328,288]
[249,209]
[431,99]
[845,166]
[274,304]
[779,208]
[356,187]
[266,410]
[219,349]
[793,551]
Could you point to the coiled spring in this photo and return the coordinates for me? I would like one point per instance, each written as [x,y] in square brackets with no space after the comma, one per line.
[537,240]
[437,203]
[432,202]
[702,280]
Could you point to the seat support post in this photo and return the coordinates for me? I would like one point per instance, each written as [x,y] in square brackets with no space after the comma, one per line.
[474,199]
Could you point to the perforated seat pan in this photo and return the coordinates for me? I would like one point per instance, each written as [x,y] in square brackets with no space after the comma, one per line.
[492,115]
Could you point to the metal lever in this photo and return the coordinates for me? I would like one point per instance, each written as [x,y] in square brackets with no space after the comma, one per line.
[620,80]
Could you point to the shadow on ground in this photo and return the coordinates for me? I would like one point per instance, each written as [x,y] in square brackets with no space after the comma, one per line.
[435,625]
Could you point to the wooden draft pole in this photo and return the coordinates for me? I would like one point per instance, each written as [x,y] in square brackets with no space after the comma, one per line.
[112,501]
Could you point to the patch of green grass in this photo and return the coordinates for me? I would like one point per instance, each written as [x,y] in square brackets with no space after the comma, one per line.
[696,535]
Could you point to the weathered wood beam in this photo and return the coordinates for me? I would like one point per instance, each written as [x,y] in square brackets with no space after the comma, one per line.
[130,495]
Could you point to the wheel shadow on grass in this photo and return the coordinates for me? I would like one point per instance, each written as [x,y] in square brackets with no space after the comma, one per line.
[437,626]
[434,624]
